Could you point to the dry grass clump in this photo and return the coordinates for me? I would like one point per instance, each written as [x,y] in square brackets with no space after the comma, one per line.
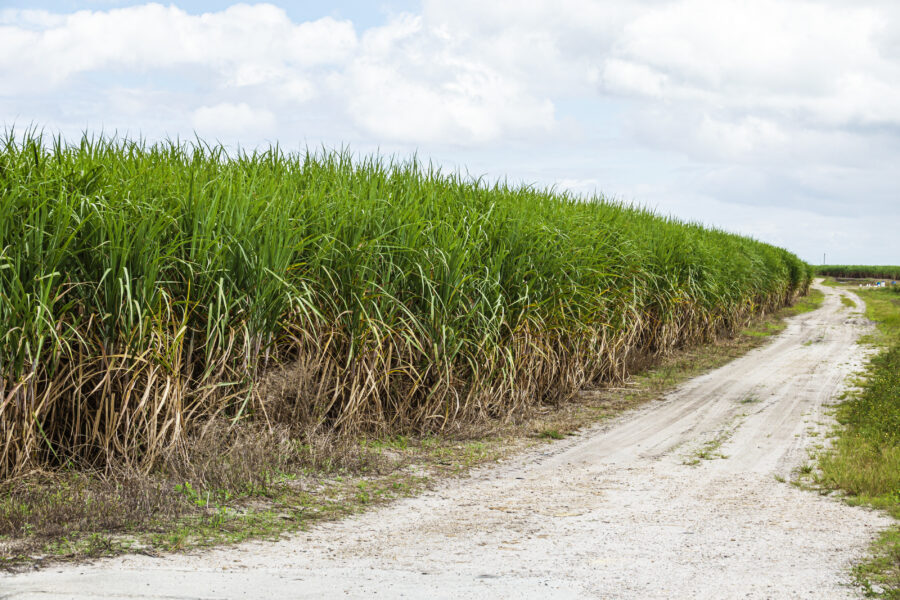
[79,513]
[147,291]
[53,505]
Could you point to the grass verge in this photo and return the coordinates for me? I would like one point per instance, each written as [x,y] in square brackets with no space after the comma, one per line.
[864,460]
[253,483]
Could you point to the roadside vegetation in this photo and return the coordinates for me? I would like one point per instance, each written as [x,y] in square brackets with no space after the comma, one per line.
[261,484]
[865,458]
[200,331]
[150,291]
[891,272]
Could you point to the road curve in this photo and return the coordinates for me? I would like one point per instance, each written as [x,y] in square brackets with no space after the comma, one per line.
[678,499]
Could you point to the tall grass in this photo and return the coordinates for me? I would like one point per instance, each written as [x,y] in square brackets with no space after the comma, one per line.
[860,271]
[149,290]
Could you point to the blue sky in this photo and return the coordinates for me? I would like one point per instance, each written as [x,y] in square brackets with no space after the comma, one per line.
[777,119]
[363,14]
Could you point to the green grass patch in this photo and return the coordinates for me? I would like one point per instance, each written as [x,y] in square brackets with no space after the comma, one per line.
[711,449]
[708,451]
[812,301]
[865,458]
[767,330]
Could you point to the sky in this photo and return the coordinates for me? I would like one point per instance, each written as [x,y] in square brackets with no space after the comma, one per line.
[775,119]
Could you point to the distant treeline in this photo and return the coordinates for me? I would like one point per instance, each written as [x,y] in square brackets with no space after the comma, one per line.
[860,271]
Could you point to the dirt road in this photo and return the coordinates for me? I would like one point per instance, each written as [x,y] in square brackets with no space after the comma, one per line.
[678,499]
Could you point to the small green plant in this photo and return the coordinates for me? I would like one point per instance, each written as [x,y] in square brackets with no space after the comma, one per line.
[710,450]
[191,494]
[363,496]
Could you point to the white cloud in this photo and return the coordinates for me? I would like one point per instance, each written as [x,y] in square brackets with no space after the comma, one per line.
[231,119]
[628,77]
[242,44]
[406,81]
[414,83]
[759,79]
[764,66]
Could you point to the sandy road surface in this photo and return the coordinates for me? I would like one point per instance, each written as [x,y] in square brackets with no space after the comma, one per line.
[612,513]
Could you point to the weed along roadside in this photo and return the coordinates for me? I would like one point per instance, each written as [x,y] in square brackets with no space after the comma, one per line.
[203,348]
[864,459]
